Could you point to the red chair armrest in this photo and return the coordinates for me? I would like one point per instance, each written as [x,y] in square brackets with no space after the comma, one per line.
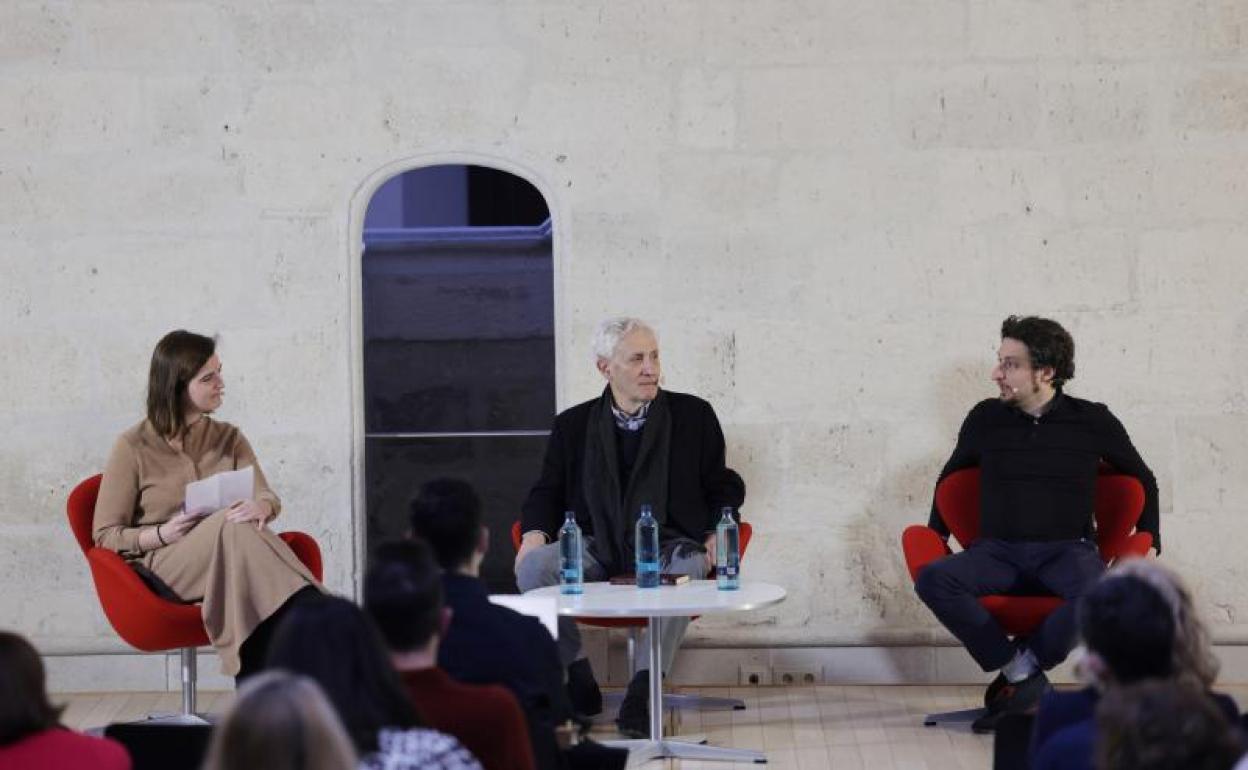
[922,545]
[306,548]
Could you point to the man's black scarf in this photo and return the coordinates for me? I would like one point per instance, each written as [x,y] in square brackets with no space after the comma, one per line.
[614,513]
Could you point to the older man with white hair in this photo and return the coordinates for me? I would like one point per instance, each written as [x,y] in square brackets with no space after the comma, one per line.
[635,444]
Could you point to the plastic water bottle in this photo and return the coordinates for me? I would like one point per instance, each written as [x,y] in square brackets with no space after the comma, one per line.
[571,562]
[647,549]
[728,552]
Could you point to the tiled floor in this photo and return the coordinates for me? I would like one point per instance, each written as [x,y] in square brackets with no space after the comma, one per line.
[807,727]
[827,726]
[85,711]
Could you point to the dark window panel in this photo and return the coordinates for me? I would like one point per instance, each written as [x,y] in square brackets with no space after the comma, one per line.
[496,198]
[460,341]
[458,311]
[486,289]
[502,469]
[456,386]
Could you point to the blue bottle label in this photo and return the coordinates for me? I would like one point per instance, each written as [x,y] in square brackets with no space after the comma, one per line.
[648,574]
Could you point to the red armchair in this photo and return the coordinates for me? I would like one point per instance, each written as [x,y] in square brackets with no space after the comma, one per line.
[1119,502]
[635,625]
[140,617]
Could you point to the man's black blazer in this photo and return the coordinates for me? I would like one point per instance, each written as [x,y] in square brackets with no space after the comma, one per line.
[699,483]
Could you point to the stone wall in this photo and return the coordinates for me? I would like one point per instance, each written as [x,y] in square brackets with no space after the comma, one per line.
[826,208]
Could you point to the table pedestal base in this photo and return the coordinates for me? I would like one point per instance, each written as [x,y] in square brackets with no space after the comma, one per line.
[658,747]
[699,597]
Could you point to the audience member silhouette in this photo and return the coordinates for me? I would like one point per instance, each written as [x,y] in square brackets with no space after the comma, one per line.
[1137,623]
[490,644]
[1164,725]
[487,643]
[280,721]
[332,641]
[31,734]
[403,595]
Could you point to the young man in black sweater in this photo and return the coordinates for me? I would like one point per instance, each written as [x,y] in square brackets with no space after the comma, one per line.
[1038,451]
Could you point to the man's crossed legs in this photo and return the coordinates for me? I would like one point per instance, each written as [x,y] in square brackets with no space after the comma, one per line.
[952,586]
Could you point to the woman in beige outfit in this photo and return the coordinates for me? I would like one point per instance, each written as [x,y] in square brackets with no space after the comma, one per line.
[229,560]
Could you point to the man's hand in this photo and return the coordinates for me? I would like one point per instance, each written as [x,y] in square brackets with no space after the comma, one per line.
[528,544]
[710,553]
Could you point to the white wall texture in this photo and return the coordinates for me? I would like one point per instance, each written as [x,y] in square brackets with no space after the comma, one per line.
[825,206]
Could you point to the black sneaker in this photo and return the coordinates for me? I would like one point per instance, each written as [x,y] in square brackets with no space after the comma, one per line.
[633,720]
[1019,698]
[583,690]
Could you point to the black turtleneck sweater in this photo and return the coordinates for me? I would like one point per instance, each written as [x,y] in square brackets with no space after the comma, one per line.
[1038,474]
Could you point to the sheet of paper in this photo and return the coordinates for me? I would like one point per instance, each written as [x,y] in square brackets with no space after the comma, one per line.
[219,491]
[237,485]
[544,608]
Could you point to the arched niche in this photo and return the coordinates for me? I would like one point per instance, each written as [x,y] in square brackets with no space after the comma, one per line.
[455,346]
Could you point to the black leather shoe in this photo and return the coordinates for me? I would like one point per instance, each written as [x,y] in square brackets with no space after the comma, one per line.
[994,689]
[1019,698]
[583,690]
[633,720]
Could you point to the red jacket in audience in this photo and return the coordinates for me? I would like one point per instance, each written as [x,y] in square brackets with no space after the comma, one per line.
[485,718]
[61,749]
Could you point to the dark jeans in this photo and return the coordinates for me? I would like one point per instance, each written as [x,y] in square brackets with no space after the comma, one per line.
[950,587]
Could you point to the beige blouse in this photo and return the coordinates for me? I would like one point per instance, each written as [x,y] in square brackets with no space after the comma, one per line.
[145,479]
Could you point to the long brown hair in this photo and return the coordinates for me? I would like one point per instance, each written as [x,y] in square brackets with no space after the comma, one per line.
[176,359]
[332,640]
[24,709]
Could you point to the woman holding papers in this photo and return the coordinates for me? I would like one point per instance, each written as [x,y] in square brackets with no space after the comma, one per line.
[224,556]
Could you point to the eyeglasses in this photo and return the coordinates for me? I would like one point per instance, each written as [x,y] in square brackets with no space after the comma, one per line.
[1008,364]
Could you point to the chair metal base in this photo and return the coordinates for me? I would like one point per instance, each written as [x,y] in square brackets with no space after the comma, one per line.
[703,702]
[173,718]
[641,751]
[190,674]
[611,702]
[961,716]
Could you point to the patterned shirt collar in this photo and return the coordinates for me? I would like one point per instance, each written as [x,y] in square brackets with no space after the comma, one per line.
[630,422]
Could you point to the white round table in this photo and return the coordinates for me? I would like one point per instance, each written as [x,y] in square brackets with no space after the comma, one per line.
[697,597]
